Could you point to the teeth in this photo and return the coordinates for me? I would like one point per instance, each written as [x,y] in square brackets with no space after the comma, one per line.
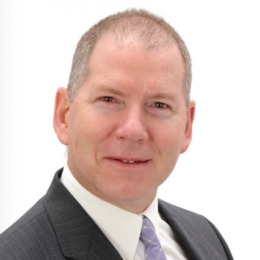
[125,161]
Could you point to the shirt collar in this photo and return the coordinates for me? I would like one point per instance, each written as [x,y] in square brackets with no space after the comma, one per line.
[152,213]
[121,227]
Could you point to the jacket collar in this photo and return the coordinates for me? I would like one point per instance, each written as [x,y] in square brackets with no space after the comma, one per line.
[78,235]
[197,236]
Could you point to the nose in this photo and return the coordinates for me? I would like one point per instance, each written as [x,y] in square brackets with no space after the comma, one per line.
[132,126]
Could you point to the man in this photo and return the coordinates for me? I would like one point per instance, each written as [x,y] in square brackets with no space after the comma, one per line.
[125,118]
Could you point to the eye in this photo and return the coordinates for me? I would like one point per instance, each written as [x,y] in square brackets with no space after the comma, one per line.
[108,99]
[160,105]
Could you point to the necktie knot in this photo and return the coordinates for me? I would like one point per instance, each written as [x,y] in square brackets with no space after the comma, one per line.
[153,249]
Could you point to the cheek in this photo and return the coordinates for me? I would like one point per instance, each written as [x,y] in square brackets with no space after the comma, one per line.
[90,131]
[170,139]
[169,145]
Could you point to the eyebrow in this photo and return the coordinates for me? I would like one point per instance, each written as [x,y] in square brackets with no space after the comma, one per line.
[168,96]
[109,90]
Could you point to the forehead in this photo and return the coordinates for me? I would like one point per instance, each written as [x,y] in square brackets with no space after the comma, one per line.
[132,54]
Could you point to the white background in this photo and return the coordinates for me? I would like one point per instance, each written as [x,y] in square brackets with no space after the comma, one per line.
[217,177]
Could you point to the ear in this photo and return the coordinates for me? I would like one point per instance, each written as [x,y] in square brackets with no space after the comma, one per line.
[60,118]
[188,128]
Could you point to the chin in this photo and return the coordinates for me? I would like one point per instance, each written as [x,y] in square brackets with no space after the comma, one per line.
[130,196]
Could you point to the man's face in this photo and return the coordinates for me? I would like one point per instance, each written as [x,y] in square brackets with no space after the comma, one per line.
[128,123]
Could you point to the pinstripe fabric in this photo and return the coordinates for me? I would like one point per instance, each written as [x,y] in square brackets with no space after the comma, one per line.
[32,239]
[195,234]
[57,227]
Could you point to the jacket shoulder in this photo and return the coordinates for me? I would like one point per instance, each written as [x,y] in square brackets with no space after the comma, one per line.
[30,237]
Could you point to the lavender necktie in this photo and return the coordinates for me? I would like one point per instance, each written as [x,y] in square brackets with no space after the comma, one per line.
[153,249]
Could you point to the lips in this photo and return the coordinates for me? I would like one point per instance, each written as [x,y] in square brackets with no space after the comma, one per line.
[132,161]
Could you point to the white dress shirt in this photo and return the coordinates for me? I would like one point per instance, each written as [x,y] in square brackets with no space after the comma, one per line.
[121,227]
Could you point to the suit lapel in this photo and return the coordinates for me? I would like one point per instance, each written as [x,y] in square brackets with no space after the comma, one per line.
[194,233]
[184,239]
[78,235]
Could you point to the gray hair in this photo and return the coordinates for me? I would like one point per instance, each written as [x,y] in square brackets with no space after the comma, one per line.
[148,29]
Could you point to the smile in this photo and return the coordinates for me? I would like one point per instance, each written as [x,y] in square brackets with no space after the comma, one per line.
[126,161]
[132,161]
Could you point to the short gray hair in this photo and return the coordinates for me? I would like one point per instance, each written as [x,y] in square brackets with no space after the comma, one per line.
[149,29]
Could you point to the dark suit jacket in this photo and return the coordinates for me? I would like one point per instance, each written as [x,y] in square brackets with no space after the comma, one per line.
[57,227]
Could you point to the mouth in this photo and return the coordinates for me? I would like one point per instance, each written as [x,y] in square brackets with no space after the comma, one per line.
[132,161]
[128,161]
